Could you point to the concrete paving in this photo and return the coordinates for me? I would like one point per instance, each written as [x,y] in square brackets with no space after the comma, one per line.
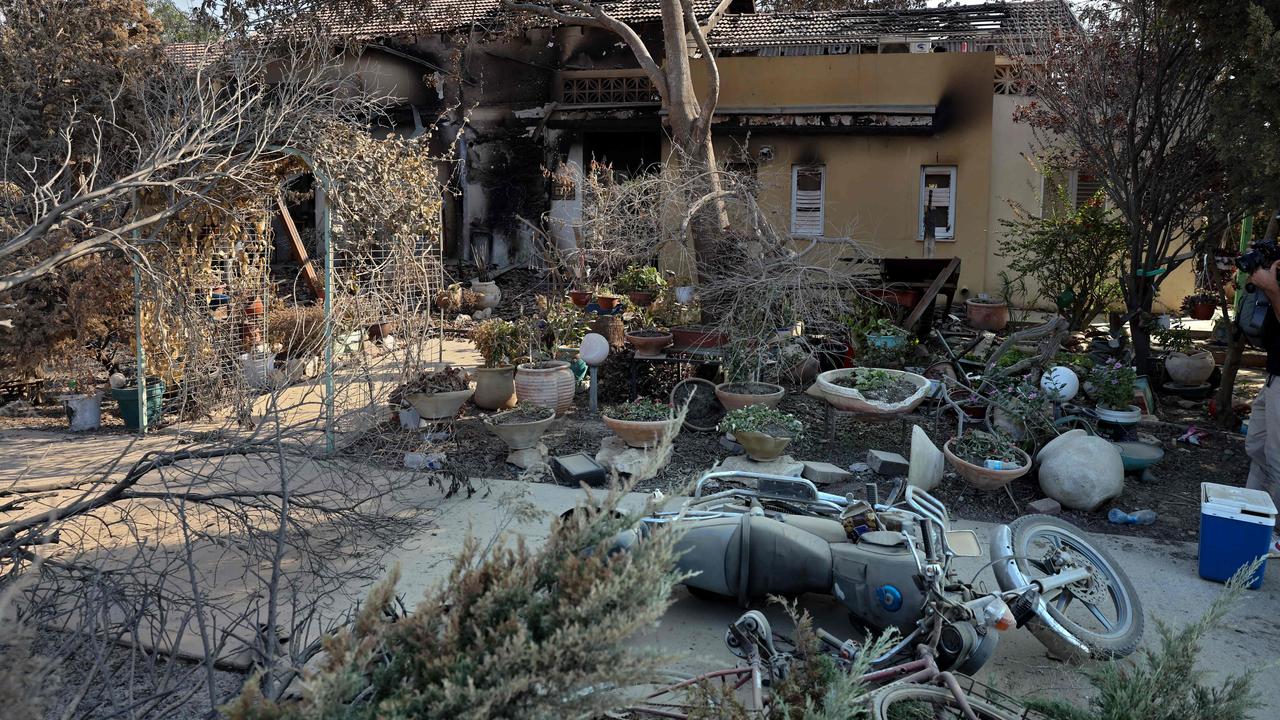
[693,629]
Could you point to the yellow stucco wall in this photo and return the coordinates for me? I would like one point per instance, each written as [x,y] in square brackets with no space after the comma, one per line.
[872,191]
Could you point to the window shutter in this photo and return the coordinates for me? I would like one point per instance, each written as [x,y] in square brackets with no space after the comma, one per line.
[807,210]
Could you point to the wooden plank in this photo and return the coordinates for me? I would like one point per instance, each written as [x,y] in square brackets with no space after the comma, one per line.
[929,294]
[299,250]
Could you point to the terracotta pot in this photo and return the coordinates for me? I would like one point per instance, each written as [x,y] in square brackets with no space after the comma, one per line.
[898,296]
[986,316]
[549,383]
[1202,311]
[761,447]
[974,408]
[639,434]
[254,308]
[386,328]
[490,294]
[441,405]
[642,298]
[649,346]
[982,477]
[607,302]
[735,400]
[692,337]
[520,436]
[1191,370]
[496,388]
[581,298]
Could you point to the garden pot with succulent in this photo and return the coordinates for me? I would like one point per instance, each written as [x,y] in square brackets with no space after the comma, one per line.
[435,394]
[649,342]
[606,300]
[1111,385]
[521,429]
[986,313]
[762,431]
[549,383]
[641,283]
[736,395]
[499,342]
[986,460]
[642,423]
[874,391]
[1185,365]
[1199,306]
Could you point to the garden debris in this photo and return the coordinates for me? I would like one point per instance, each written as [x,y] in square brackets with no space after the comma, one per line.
[638,463]
[884,462]
[1193,435]
[424,461]
[1139,517]
[859,468]
[824,473]
[927,461]
[1044,506]
[18,408]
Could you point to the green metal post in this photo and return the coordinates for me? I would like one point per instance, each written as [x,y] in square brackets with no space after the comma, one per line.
[1246,235]
[326,238]
[140,355]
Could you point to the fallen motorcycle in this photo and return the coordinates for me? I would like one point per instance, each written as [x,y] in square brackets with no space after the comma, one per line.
[750,535]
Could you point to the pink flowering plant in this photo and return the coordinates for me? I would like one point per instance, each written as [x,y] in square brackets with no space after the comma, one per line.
[1113,383]
[1025,400]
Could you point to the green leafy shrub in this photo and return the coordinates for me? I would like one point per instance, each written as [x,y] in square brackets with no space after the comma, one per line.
[1113,383]
[640,278]
[642,410]
[762,419]
[499,342]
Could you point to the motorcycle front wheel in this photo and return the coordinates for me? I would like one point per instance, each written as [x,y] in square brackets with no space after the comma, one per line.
[926,701]
[1103,612]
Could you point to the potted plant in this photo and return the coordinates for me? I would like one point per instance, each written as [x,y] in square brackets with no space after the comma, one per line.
[641,283]
[580,298]
[564,327]
[1185,365]
[488,291]
[499,342]
[873,391]
[435,394]
[521,429]
[797,363]
[641,423]
[987,313]
[1199,306]
[549,383]
[742,365]
[83,405]
[762,431]
[1021,409]
[127,403]
[605,299]
[987,460]
[1112,387]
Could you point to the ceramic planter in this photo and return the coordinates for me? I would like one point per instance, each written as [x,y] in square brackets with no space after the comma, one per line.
[640,434]
[692,337]
[1189,370]
[684,294]
[580,297]
[521,438]
[495,388]
[982,477]
[761,447]
[732,397]
[607,302]
[1202,311]
[1120,417]
[990,316]
[84,412]
[641,298]
[441,405]
[649,345]
[490,294]
[549,383]
[850,400]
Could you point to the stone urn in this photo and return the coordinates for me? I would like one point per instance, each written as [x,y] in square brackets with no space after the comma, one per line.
[490,294]
[649,343]
[521,434]
[495,387]
[1081,471]
[549,383]
[739,395]
[982,477]
[440,405]
[640,433]
[1192,370]
[761,447]
[987,314]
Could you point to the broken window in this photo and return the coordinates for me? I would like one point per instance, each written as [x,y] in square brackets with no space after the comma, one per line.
[938,201]
[807,186]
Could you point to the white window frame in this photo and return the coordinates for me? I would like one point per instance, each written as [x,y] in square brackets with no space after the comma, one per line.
[925,171]
[822,204]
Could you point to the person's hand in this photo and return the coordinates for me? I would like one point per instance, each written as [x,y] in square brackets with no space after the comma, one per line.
[1264,278]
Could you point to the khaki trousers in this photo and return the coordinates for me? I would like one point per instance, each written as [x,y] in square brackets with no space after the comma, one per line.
[1262,444]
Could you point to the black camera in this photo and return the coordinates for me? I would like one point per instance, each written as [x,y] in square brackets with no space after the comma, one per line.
[1263,252]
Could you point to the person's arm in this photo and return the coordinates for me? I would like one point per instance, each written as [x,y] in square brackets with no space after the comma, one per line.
[1264,278]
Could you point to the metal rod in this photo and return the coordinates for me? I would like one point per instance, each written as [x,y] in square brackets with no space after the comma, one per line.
[140,354]
[326,237]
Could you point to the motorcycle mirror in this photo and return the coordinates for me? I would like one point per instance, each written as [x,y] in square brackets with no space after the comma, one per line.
[964,543]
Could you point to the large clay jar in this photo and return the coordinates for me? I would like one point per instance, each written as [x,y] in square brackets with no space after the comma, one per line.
[495,388]
[489,293]
[1191,370]
[993,316]
[548,383]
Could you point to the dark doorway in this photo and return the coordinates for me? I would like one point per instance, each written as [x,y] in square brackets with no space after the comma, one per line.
[628,153]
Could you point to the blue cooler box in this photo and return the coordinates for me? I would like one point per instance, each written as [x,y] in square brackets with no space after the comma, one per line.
[1235,529]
